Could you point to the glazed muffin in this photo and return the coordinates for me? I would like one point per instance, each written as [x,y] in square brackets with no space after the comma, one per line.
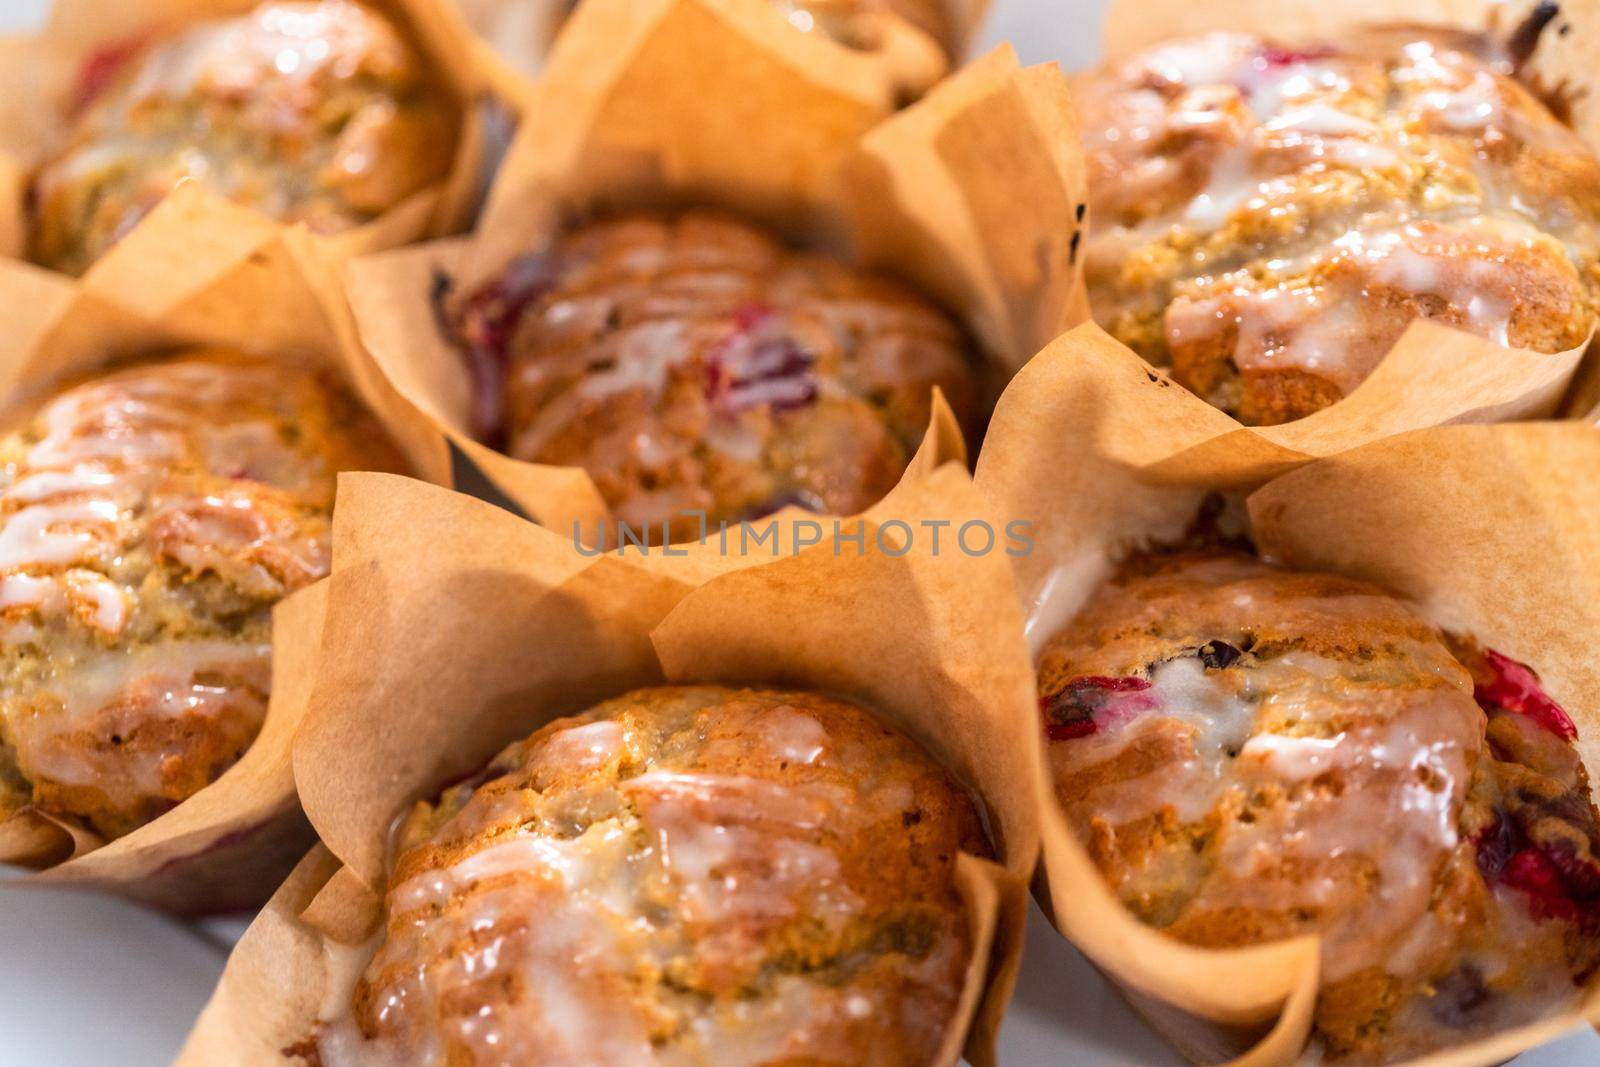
[691,363]
[310,112]
[149,520]
[1252,754]
[1266,221]
[859,24]
[677,876]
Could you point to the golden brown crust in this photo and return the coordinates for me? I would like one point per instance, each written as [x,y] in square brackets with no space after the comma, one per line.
[680,875]
[692,363]
[1251,754]
[149,520]
[1263,215]
[313,111]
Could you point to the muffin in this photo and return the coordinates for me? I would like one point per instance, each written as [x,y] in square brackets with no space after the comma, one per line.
[150,519]
[1251,753]
[859,24]
[692,363]
[677,876]
[1267,220]
[310,112]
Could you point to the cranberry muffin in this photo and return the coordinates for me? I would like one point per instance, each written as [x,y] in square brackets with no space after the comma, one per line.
[677,876]
[315,112]
[1267,220]
[692,363]
[149,521]
[1252,753]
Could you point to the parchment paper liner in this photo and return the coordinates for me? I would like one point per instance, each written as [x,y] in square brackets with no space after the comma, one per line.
[455,628]
[249,284]
[903,64]
[1490,528]
[37,73]
[971,194]
[1141,418]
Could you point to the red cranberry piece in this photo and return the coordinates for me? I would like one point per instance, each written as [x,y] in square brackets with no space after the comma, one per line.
[1274,56]
[1515,687]
[1559,883]
[1581,876]
[1532,873]
[759,365]
[1088,703]
[101,69]
[484,328]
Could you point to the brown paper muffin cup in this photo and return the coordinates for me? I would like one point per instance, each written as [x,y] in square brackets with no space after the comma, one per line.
[454,628]
[972,195]
[1490,529]
[1433,376]
[37,73]
[903,62]
[245,284]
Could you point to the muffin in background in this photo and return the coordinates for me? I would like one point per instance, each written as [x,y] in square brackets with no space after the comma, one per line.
[1266,219]
[1251,753]
[678,875]
[150,518]
[310,111]
[692,363]
[859,23]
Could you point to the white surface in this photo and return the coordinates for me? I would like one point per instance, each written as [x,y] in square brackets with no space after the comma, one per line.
[96,983]
[90,982]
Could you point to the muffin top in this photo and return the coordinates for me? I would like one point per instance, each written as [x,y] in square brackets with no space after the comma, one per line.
[1252,754]
[679,876]
[149,520]
[313,112]
[693,363]
[1267,220]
